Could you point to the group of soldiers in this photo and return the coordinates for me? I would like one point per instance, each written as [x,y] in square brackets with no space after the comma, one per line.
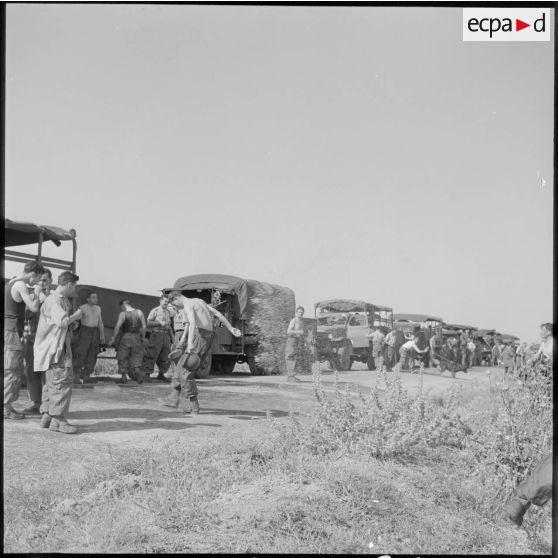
[41,344]
[454,353]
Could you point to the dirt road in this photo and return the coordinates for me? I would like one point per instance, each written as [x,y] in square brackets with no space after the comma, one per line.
[133,416]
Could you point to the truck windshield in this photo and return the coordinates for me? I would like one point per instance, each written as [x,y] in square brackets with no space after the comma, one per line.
[332,319]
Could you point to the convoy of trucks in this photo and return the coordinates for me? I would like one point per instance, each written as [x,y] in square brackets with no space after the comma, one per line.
[339,333]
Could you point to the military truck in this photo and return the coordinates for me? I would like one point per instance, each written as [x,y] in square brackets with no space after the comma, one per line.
[260,310]
[22,233]
[342,331]
[410,323]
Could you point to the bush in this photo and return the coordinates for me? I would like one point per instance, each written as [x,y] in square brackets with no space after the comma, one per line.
[512,430]
[387,423]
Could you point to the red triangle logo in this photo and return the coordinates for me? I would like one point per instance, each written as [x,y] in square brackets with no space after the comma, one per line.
[519,25]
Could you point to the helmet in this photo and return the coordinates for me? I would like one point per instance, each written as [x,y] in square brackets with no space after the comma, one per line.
[191,362]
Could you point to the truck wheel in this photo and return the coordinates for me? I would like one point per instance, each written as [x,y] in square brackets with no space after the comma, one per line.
[344,356]
[205,369]
[370,362]
[226,365]
[255,370]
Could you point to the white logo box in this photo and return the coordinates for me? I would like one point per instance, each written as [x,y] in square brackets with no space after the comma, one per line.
[499,24]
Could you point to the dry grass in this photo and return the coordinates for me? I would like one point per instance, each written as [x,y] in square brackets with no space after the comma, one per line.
[344,480]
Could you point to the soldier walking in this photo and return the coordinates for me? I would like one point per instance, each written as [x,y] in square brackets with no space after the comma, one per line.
[194,345]
[129,350]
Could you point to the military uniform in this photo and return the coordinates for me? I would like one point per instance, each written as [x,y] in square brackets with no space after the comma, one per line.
[129,352]
[159,343]
[14,316]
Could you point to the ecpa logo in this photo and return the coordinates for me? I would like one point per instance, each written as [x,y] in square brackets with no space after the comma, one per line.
[506,24]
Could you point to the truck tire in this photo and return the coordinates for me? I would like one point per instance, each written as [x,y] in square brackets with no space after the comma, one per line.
[343,360]
[205,368]
[255,370]
[226,365]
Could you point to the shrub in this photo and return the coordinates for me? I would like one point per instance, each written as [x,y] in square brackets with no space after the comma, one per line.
[387,423]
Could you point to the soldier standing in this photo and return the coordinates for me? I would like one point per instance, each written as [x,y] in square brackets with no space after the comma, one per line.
[35,380]
[53,354]
[377,339]
[91,334]
[159,342]
[16,299]
[129,352]
[294,349]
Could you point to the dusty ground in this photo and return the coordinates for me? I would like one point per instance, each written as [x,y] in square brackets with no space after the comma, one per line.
[112,416]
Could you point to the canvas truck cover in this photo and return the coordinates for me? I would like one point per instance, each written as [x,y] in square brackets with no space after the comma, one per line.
[416,318]
[247,292]
[109,301]
[21,233]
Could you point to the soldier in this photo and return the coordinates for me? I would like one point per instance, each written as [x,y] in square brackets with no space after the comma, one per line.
[129,352]
[496,354]
[471,349]
[393,341]
[436,342]
[53,354]
[16,299]
[159,342]
[35,380]
[409,351]
[377,339]
[91,334]
[449,359]
[196,339]
[508,357]
[294,349]
[535,489]
[543,357]
[462,355]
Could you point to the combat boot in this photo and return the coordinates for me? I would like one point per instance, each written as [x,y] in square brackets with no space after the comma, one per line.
[45,420]
[12,414]
[194,405]
[58,425]
[32,409]
[172,399]
[514,511]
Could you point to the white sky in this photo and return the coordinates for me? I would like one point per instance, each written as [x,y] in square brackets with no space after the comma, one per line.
[343,152]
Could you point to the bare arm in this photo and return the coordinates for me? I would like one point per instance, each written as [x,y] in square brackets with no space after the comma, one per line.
[21,288]
[101,328]
[117,327]
[292,331]
[190,330]
[236,332]
[151,319]
[143,327]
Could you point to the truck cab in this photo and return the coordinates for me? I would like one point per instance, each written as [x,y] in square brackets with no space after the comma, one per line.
[342,330]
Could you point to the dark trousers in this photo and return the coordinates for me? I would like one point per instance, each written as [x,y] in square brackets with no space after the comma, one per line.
[35,380]
[187,378]
[157,352]
[535,489]
[391,357]
[86,351]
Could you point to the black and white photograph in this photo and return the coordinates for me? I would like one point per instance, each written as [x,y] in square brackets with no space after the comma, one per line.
[278,278]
